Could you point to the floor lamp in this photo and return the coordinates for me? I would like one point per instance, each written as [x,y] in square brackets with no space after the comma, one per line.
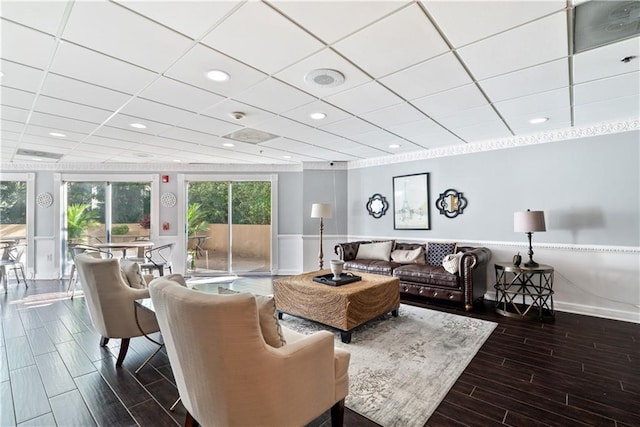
[528,222]
[320,210]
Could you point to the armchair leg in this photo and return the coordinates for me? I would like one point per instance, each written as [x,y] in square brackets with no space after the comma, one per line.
[337,414]
[124,346]
[189,421]
[103,341]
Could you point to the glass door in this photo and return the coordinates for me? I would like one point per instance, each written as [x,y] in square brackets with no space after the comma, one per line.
[229,227]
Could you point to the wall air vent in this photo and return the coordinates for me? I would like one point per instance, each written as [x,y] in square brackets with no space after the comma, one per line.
[35,153]
[251,136]
[598,23]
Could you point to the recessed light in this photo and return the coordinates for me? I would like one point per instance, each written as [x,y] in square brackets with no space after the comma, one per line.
[58,134]
[228,144]
[138,125]
[286,157]
[1,74]
[177,160]
[217,75]
[394,146]
[538,120]
[317,116]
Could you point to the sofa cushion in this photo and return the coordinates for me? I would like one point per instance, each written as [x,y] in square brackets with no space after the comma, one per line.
[402,256]
[131,274]
[269,324]
[451,262]
[375,251]
[437,251]
[371,266]
[426,274]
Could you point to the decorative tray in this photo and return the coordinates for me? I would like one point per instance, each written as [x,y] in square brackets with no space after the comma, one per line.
[327,279]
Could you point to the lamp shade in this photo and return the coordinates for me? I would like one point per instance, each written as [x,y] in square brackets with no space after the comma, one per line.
[528,221]
[320,210]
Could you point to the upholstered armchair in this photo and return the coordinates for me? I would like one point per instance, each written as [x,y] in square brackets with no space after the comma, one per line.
[227,374]
[111,302]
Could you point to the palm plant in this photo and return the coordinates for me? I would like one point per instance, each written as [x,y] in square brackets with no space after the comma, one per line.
[196,219]
[79,218]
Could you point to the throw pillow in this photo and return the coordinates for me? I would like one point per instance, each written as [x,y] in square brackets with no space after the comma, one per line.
[437,251]
[375,251]
[271,330]
[451,262]
[415,256]
[131,271]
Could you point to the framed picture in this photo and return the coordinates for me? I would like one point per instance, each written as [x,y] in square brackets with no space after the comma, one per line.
[411,202]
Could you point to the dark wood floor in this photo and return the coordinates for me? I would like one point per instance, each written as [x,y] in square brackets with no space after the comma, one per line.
[578,370]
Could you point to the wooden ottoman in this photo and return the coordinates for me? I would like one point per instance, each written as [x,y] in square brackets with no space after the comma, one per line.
[342,307]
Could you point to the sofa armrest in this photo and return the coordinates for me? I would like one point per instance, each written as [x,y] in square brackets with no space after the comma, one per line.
[347,251]
[473,272]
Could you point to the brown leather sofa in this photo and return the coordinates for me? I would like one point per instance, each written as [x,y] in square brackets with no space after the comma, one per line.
[466,286]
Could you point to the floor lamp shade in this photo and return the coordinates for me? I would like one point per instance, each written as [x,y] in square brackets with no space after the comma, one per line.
[529,222]
[320,210]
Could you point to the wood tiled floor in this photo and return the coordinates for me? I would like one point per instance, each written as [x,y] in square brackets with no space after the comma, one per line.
[577,370]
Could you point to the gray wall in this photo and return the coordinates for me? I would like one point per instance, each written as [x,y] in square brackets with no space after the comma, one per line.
[325,186]
[589,189]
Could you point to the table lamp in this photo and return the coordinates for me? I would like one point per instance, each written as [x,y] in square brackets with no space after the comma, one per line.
[320,210]
[529,222]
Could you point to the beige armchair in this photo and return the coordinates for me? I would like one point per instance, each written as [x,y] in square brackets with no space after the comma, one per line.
[111,302]
[227,375]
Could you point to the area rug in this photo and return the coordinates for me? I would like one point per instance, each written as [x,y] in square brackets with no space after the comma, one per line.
[401,368]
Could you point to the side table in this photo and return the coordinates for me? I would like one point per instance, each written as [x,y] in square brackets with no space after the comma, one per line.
[524,292]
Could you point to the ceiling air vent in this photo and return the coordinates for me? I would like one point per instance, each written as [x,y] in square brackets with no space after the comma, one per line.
[598,23]
[35,153]
[251,136]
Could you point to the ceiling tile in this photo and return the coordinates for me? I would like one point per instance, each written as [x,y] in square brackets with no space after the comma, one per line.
[250,34]
[470,117]
[92,67]
[43,131]
[522,47]
[224,109]
[541,78]
[182,134]
[71,110]
[606,61]
[177,94]
[483,131]
[394,115]
[396,42]
[25,46]
[275,96]
[325,59]
[124,121]
[49,142]
[83,93]
[603,111]
[151,110]
[209,125]
[192,69]
[349,127]
[20,76]
[605,89]
[363,99]
[57,123]
[425,133]
[433,76]
[300,148]
[41,15]
[559,118]
[16,98]
[110,28]
[121,132]
[13,113]
[331,21]
[534,105]
[459,21]
[451,101]
[302,114]
[9,125]
[193,18]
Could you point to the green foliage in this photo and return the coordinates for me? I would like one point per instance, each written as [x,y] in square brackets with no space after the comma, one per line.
[79,218]
[119,230]
[196,219]
[13,202]
[251,201]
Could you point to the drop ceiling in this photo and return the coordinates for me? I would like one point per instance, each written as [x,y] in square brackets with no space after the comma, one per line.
[418,75]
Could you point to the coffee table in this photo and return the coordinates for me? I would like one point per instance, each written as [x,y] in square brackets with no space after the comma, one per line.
[342,307]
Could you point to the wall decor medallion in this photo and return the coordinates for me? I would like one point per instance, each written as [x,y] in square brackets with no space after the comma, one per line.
[377,205]
[451,203]
[168,200]
[411,202]
[44,200]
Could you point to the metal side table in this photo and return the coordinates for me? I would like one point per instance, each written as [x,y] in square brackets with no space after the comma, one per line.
[524,292]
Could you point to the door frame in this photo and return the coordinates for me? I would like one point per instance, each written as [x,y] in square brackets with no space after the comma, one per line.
[183,179]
